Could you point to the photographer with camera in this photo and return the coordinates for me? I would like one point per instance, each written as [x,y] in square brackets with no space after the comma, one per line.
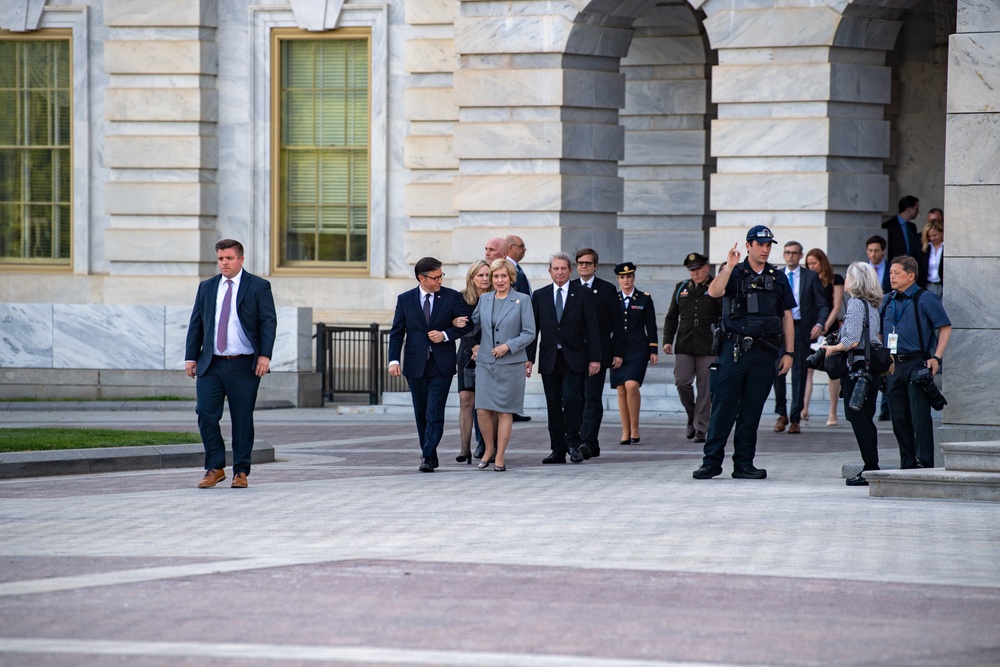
[862,285]
[917,330]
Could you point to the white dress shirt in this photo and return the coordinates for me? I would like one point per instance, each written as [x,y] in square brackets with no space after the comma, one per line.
[236,338]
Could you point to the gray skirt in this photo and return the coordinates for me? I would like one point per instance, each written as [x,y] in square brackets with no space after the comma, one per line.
[500,387]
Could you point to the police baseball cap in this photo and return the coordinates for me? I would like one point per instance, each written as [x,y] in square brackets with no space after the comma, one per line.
[624,268]
[695,261]
[760,234]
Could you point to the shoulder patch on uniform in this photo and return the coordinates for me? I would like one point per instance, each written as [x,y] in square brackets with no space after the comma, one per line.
[646,293]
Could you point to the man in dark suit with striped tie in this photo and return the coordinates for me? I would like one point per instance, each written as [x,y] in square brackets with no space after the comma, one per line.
[424,321]
[230,340]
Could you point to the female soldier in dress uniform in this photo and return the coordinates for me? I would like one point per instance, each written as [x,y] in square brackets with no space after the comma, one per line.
[641,345]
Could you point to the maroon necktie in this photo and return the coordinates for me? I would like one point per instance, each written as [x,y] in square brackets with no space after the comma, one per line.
[221,338]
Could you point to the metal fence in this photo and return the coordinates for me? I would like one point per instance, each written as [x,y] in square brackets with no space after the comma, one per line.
[353,360]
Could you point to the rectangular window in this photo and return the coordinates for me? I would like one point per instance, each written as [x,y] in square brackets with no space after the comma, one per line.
[35,159]
[321,119]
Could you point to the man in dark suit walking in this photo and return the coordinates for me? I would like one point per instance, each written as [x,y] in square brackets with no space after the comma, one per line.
[230,340]
[875,249]
[424,320]
[904,237]
[610,327]
[570,350]
[810,318]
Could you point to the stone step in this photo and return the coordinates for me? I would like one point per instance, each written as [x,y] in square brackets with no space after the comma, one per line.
[972,456]
[934,483]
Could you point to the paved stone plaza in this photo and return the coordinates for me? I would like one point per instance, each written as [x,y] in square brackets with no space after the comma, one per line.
[341,552]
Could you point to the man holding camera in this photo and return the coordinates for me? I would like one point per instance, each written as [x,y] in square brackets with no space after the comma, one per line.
[916,329]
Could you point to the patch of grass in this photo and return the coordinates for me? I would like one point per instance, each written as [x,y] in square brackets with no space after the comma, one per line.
[32,399]
[36,439]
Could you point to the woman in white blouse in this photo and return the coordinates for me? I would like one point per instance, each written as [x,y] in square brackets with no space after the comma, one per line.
[932,239]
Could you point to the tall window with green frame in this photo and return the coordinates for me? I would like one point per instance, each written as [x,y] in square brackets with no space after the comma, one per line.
[35,164]
[323,153]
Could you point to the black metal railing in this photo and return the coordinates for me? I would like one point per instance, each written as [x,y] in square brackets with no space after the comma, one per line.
[354,360]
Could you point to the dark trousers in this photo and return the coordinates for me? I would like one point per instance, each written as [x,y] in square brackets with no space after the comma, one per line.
[911,417]
[798,372]
[231,379]
[863,421]
[593,409]
[564,403]
[739,391]
[430,394]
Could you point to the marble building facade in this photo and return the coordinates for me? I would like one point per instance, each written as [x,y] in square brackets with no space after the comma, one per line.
[643,128]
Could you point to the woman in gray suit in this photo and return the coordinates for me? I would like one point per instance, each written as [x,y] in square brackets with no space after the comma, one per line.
[507,327]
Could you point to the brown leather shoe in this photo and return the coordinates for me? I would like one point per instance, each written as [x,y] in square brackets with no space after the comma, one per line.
[211,478]
[240,480]
[780,425]
[794,428]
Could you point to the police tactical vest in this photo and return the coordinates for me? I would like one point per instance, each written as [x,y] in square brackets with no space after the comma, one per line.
[755,308]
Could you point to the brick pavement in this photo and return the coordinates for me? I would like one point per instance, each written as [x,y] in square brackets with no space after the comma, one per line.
[342,553]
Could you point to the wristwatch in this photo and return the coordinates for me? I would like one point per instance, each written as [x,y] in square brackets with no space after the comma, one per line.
[937,358]
[790,354]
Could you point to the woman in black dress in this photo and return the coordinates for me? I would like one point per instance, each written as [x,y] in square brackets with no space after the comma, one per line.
[477,283]
[641,345]
[833,288]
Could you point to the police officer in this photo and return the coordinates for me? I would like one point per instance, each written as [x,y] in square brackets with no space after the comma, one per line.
[690,318]
[756,330]
[641,346]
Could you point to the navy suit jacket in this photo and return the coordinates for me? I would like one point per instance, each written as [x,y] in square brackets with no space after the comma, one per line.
[610,320]
[897,246]
[409,326]
[812,301]
[522,285]
[254,307]
[576,332]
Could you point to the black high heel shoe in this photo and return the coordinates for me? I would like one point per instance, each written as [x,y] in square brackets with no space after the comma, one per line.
[483,465]
[464,458]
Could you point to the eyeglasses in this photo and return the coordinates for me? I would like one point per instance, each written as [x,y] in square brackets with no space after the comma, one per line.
[585,263]
[438,278]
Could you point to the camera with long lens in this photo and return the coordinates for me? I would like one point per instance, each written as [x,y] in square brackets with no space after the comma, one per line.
[816,359]
[923,378]
[862,381]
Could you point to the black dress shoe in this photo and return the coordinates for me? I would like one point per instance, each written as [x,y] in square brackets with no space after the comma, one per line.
[585,451]
[435,463]
[749,473]
[425,465]
[480,451]
[633,441]
[554,458]
[521,418]
[575,455]
[690,431]
[706,472]
[595,451]
[699,436]
[857,480]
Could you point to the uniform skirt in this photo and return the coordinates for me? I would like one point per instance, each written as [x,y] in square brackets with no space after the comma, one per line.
[634,370]
[500,387]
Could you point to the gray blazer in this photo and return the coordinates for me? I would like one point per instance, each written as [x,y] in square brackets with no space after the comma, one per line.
[512,322]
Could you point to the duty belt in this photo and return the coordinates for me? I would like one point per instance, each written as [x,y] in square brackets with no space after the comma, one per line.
[749,341]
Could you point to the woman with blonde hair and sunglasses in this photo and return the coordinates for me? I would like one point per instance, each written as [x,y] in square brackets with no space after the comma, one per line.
[477,283]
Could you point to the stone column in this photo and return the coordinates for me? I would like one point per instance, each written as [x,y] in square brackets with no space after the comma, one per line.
[666,161]
[800,136]
[972,199]
[428,147]
[161,149]
[538,141]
